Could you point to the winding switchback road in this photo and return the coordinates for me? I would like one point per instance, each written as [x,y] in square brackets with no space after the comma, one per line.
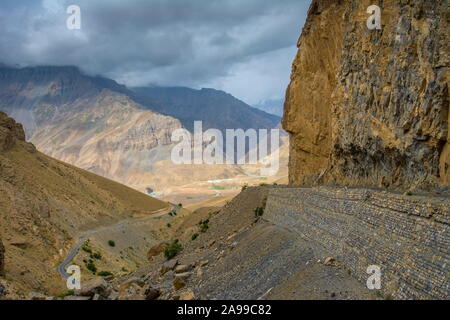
[82,238]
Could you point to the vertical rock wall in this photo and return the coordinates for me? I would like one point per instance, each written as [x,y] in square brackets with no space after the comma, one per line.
[370,107]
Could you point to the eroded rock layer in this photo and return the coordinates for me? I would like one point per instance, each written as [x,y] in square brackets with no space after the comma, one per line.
[407,238]
[370,107]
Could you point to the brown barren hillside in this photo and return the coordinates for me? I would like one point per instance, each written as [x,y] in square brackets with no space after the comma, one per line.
[45,204]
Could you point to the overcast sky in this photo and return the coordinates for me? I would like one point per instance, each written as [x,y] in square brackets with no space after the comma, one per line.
[244,47]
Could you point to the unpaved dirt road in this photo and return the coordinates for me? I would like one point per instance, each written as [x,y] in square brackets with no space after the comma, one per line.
[82,238]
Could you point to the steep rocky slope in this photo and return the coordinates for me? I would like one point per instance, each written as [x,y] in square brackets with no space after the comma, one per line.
[45,204]
[34,96]
[370,107]
[108,135]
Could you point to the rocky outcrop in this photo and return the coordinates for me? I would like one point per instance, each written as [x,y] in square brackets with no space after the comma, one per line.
[92,287]
[156,250]
[370,107]
[10,132]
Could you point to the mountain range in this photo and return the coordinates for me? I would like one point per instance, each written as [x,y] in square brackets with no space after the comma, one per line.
[117,132]
[217,109]
[25,91]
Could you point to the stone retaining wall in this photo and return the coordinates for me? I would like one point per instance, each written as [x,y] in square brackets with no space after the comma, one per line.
[408,237]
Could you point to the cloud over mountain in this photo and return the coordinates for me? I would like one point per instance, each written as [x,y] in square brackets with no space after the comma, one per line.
[178,42]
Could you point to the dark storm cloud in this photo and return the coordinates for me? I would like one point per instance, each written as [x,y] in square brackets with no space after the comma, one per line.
[165,42]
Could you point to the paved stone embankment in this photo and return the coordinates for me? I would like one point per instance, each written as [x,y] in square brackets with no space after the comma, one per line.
[408,237]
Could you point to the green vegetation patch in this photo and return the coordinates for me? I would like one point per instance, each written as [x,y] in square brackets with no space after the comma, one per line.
[91,267]
[259,212]
[68,293]
[171,251]
[204,225]
[217,187]
[97,256]
[105,274]
[86,248]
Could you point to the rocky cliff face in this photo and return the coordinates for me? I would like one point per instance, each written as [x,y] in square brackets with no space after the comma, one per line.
[370,107]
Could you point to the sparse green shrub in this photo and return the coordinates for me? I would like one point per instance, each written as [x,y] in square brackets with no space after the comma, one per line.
[172,250]
[204,226]
[91,267]
[104,274]
[86,248]
[68,293]
[180,205]
[111,243]
[259,212]
[194,236]
[169,225]
[244,187]
[97,256]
